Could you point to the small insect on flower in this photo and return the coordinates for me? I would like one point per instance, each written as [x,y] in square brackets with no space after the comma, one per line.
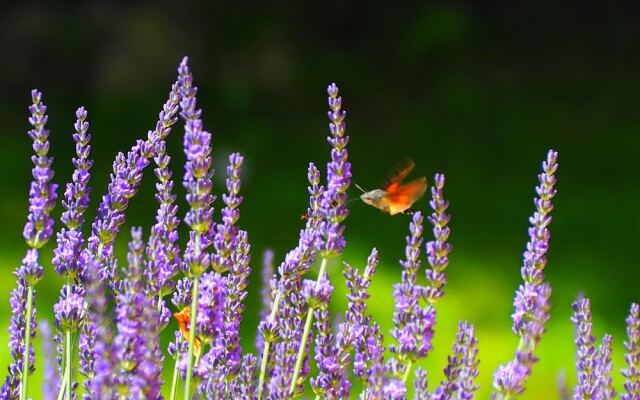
[184,318]
[394,197]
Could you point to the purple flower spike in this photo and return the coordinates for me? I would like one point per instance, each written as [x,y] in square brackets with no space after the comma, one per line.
[334,198]
[237,281]
[532,298]
[76,200]
[287,322]
[413,325]
[331,358]
[17,324]
[357,320]
[198,174]
[162,249]
[225,238]
[136,347]
[70,308]
[439,249]
[462,368]
[421,386]
[42,194]
[394,389]
[632,356]
[266,294]
[211,300]
[604,368]
[51,377]
[587,352]
[244,387]
[124,184]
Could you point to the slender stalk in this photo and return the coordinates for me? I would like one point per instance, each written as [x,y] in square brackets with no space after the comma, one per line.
[192,322]
[406,372]
[63,387]
[192,337]
[174,380]
[267,345]
[67,351]
[67,365]
[27,342]
[305,333]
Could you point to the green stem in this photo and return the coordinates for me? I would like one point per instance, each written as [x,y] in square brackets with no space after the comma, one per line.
[192,321]
[67,365]
[67,350]
[406,372]
[174,380]
[159,303]
[27,344]
[305,333]
[62,386]
[192,336]
[267,345]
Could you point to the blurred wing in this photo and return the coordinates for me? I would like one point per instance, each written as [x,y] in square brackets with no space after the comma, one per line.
[401,171]
[403,197]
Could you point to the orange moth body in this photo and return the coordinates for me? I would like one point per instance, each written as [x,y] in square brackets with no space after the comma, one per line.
[394,197]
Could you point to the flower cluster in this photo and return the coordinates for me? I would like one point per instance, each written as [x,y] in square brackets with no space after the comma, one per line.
[115,312]
[531,302]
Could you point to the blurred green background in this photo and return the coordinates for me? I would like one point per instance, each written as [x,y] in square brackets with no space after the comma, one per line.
[478,92]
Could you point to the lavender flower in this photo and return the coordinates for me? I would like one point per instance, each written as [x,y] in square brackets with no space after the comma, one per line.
[97,361]
[334,200]
[394,390]
[70,309]
[198,173]
[211,300]
[37,232]
[237,281]
[17,324]
[244,387]
[587,352]
[356,315]
[462,367]
[439,249]
[532,298]
[232,254]
[632,356]
[604,367]
[125,181]
[76,200]
[42,194]
[197,181]
[162,248]
[226,233]
[331,359]
[86,355]
[50,385]
[421,386]
[284,322]
[266,294]
[413,325]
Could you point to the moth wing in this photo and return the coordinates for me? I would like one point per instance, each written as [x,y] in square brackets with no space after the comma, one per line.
[403,197]
[401,171]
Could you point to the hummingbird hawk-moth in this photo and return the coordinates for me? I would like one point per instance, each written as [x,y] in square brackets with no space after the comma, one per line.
[394,197]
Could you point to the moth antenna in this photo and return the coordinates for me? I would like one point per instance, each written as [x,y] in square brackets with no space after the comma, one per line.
[358,186]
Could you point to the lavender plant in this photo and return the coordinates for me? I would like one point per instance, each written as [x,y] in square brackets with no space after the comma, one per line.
[109,318]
